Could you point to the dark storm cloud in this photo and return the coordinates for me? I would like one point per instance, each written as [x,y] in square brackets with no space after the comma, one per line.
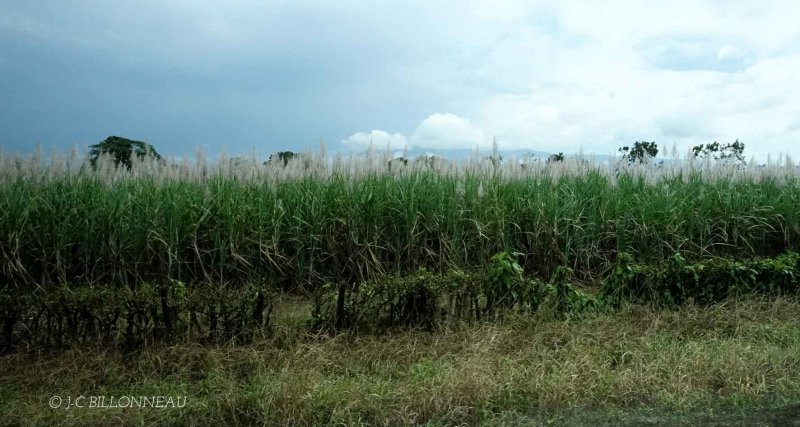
[278,75]
[272,77]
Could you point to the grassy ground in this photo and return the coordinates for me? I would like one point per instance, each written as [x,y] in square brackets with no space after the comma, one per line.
[736,363]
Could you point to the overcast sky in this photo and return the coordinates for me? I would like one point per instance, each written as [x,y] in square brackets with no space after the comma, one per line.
[240,75]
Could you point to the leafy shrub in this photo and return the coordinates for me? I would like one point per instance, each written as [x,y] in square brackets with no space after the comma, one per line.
[426,300]
[777,275]
[129,316]
[675,282]
[503,282]
[565,297]
[420,300]
[624,281]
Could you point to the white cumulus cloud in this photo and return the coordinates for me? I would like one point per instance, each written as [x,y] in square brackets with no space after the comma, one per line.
[439,131]
[378,139]
[448,131]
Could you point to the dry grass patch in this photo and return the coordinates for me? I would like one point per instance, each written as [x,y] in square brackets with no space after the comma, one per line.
[741,355]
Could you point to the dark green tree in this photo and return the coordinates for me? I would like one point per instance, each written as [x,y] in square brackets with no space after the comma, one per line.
[495,159]
[283,156]
[728,152]
[397,161]
[427,160]
[640,152]
[122,150]
[556,157]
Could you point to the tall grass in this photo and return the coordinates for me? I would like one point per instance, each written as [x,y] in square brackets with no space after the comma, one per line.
[347,219]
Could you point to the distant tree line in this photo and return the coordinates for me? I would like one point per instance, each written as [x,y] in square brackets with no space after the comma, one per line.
[124,150]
